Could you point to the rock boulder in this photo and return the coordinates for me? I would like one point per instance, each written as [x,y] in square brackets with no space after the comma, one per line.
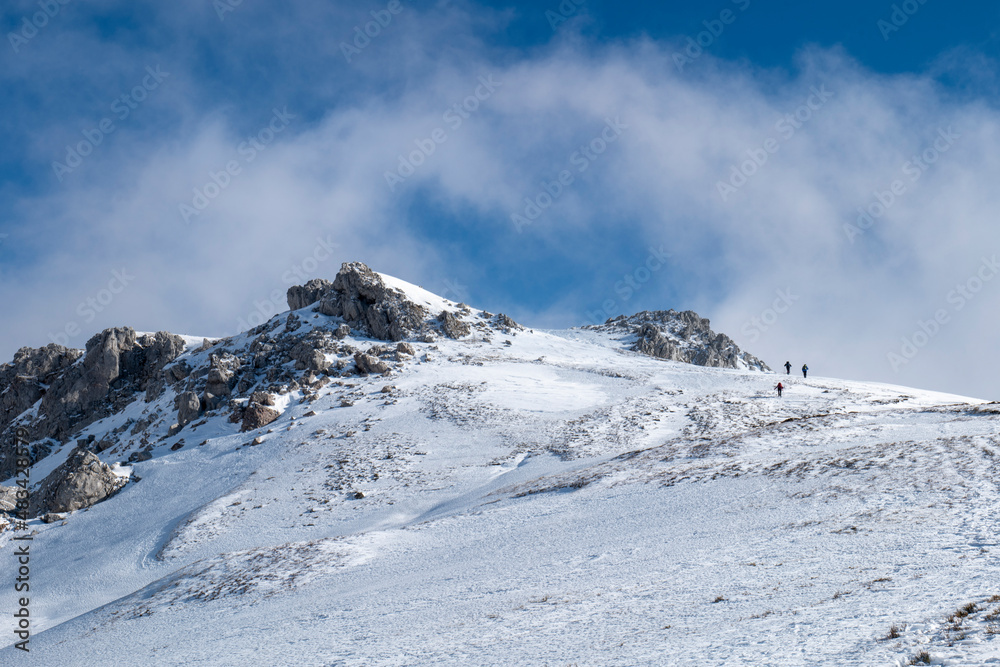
[188,407]
[256,416]
[81,481]
[369,365]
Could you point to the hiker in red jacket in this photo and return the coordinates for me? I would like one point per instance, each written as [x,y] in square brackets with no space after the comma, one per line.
[779,388]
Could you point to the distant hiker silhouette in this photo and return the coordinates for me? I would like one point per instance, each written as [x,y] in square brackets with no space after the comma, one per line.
[805,369]
[788,368]
[779,388]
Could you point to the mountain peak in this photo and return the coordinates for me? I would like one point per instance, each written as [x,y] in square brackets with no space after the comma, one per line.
[150,388]
[678,336]
[391,309]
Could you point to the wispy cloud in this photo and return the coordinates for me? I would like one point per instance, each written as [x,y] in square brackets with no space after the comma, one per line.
[449,220]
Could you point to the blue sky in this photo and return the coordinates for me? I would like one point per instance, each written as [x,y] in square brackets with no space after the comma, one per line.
[729,177]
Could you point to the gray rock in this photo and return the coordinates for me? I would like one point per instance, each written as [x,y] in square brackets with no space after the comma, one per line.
[52,517]
[218,382]
[363,300]
[151,354]
[300,296]
[21,380]
[188,407]
[262,398]
[506,324]
[74,388]
[405,348]
[342,332]
[683,336]
[178,371]
[308,357]
[154,389]
[217,388]
[19,394]
[368,365]
[8,498]
[213,402]
[452,326]
[81,481]
[256,416]
[114,358]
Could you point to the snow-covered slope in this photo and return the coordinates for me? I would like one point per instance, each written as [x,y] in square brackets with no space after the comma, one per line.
[532,497]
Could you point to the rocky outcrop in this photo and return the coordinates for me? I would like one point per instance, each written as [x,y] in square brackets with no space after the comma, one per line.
[308,358]
[300,296]
[81,481]
[452,326]
[256,416]
[364,301]
[369,365]
[115,362]
[74,388]
[22,380]
[683,337]
[506,325]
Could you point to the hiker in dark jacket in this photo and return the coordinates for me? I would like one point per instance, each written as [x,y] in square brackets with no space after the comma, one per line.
[788,368]
[805,369]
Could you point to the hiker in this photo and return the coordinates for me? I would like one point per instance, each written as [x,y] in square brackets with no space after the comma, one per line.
[779,388]
[788,368]
[805,369]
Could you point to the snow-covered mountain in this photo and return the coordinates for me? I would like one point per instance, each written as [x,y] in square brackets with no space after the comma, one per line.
[382,476]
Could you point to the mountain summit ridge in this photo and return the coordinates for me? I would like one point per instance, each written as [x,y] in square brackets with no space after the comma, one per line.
[563,494]
[56,392]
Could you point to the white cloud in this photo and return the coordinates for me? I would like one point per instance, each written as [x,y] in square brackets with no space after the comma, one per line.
[324,176]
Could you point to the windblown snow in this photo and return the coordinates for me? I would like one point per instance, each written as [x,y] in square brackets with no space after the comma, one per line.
[540,498]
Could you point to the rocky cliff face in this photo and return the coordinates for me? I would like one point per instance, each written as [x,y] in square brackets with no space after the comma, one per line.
[23,381]
[684,336]
[55,391]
